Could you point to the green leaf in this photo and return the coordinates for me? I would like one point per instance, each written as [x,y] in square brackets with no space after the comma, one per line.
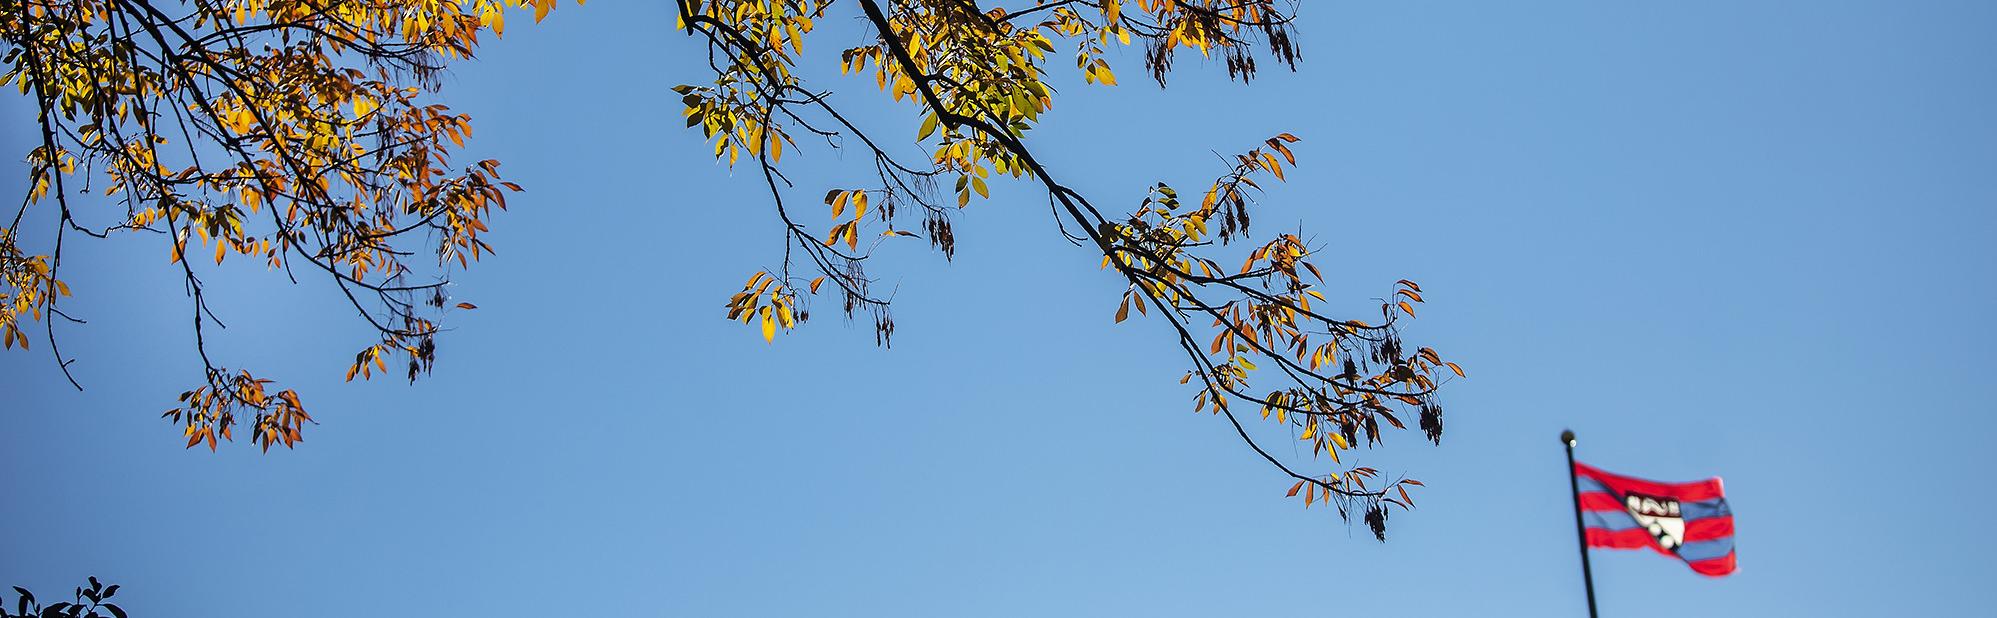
[928,127]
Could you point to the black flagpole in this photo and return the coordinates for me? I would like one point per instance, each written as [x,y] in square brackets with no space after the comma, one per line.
[1580,530]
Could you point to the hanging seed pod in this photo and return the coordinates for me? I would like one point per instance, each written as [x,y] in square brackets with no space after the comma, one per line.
[883,330]
[1431,421]
[1376,518]
[1390,349]
[941,237]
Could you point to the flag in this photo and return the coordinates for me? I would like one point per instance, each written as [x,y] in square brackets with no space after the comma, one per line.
[1688,520]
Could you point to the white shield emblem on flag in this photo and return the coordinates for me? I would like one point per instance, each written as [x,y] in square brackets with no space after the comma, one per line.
[1660,516]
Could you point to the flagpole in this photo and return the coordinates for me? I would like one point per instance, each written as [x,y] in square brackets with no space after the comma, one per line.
[1580,529]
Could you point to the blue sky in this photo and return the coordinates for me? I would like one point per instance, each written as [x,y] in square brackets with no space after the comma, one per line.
[1745,239]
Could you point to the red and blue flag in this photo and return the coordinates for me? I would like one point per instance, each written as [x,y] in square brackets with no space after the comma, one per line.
[1688,520]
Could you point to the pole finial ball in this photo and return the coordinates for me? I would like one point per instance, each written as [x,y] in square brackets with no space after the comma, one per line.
[1567,437]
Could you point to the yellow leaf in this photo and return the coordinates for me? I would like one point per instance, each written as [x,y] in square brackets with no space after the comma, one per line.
[769,326]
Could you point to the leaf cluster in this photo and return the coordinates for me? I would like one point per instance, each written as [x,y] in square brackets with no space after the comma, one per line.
[1256,338]
[296,134]
[92,601]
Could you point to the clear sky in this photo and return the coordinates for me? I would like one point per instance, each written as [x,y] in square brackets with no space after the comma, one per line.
[1745,239]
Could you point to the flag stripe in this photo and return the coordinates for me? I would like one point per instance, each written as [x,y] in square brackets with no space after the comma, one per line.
[1588,484]
[1701,530]
[1706,550]
[1612,521]
[1694,531]
[1633,538]
[1715,567]
[1595,502]
[1704,509]
[1709,529]
[1690,492]
[1599,501]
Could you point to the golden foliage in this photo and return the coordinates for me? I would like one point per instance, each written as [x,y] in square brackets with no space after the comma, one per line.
[298,133]
[980,81]
[301,133]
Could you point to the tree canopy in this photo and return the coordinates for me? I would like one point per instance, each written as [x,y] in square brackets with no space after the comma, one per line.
[303,134]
